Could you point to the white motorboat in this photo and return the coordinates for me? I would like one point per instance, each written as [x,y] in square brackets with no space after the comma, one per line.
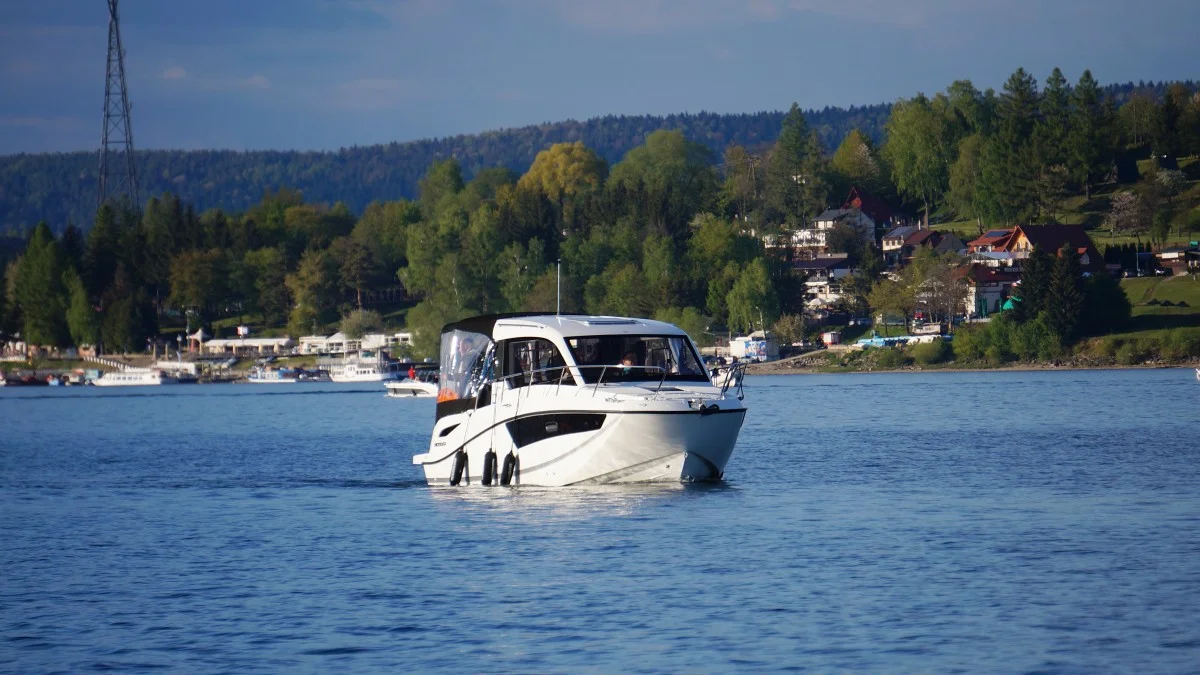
[537,399]
[410,388]
[417,382]
[271,376]
[728,376]
[362,369]
[133,378]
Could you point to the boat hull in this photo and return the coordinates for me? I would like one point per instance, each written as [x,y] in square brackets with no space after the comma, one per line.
[411,390]
[629,447]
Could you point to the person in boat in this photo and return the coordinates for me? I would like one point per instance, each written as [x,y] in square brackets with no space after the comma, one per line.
[628,361]
[412,372]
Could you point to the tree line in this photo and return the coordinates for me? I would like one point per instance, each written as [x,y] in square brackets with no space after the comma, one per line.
[669,230]
[60,187]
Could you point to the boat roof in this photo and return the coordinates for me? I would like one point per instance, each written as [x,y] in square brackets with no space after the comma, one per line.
[519,325]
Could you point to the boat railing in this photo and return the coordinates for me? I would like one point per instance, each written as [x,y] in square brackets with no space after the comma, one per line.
[734,372]
[565,372]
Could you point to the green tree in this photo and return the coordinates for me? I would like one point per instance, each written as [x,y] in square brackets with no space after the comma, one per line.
[128,319]
[357,269]
[856,163]
[562,172]
[965,176]
[752,302]
[1136,120]
[103,251]
[519,268]
[797,184]
[40,291]
[744,180]
[890,298]
[1009,166]
[198,279]
[690,319]
[1034,289]
[1090,141]
[661,270]
[313,288]
[919,151]
[10,318]
[444,179]
[383,229]
[1054,123]
[267,267]
[625,292]
[673,176]
[360,322]
[1064,297]
[83,322]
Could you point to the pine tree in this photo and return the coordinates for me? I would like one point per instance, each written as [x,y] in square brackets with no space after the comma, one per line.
[1064,298]
[1036,273]
[73,246]
[40,291]
[103,251]
[1053,125]
[1090,142]
[82,320]
[128,319]
[797,178]
[1008,167]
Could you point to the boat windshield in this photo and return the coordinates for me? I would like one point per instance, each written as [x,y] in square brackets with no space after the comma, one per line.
[464,367]
[636,358]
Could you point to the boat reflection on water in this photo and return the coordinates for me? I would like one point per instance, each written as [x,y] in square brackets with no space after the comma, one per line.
[578,502]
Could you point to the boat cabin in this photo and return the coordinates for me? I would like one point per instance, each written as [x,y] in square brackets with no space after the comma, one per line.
[522,350]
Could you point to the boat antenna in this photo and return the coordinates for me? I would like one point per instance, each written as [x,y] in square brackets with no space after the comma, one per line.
[558,304]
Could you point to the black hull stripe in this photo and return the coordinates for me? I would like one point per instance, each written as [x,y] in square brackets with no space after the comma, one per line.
[559,412]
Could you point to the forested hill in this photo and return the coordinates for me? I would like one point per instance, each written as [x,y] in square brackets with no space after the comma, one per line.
[61,187]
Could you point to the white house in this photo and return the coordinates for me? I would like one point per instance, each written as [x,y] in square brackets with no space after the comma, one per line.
[338,343]
[815,239]
[248,346]
[823,277]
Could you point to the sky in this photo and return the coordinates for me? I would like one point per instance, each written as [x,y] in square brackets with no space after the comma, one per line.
[325,74]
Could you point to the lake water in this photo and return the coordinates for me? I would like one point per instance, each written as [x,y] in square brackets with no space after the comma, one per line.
[1012,522]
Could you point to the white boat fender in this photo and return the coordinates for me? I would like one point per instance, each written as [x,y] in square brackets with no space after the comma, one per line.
[460,463]
[510,468]
[489,466]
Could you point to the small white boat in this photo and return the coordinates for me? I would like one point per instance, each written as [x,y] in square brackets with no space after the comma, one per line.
[728,376]
[538,399]
[271,376]
[1198,373]
[410,388]
[361,372]
[133,378]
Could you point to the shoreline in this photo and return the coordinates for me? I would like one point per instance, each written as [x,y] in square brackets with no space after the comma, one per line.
[1026,367]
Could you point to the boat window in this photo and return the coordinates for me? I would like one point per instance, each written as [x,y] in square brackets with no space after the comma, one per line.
[636,358]
[464,365]
[534,361]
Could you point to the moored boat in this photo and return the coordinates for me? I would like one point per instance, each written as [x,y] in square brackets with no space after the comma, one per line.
[542,399]
[418,383]
[271,376]
[133,378]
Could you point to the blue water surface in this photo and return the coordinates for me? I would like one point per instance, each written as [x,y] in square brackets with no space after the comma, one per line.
[973,522]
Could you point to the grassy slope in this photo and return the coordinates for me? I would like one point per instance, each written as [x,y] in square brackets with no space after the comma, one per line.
[1091,212]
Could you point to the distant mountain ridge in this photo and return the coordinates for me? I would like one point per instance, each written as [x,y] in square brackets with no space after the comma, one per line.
[60,188]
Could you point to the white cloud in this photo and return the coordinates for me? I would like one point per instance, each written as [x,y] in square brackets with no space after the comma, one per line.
[174,73]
